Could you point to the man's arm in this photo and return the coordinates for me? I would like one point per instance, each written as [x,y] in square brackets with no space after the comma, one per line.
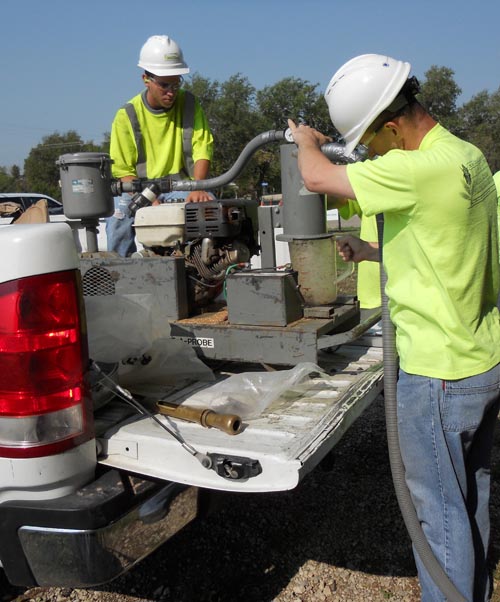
[318,173]
[202,153]
[122,148]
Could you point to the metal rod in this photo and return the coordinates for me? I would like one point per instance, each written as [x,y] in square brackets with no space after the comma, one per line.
[229,423]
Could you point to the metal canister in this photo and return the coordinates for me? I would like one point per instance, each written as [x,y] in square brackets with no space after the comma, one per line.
[86,185]
[316,264]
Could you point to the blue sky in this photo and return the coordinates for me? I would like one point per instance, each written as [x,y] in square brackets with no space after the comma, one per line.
[69,65]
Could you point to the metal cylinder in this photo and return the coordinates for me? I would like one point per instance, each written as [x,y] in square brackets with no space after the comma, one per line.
[304,211]
[229,423]
[316,264]
[86,185]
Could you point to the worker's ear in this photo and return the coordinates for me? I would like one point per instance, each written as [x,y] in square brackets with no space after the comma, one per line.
[145,79]
[394,134]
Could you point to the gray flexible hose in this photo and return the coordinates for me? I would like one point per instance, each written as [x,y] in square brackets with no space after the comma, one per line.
[236,169]
[334,151]
[405,502]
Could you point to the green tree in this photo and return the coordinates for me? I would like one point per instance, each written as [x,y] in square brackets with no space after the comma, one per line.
[231,115]
[40,170]
[16,172]
[6,180]
[293,98]
[439,94]
[229,110]
[206,91]
[18,183]
[237,113]
[13,181]
[232,119]
[104,146]
[480,124]
[290,98]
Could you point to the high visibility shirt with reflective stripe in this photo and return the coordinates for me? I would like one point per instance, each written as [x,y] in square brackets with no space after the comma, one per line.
[161,139]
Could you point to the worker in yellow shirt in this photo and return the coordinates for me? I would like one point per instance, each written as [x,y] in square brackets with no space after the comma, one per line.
[440,253]
[161,131]
[368,278]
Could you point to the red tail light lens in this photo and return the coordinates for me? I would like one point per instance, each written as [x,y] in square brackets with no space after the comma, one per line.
[45,406]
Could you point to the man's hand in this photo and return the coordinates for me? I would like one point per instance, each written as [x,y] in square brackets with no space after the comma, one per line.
[354,249]
[199,196]
[319,173]
[304,134]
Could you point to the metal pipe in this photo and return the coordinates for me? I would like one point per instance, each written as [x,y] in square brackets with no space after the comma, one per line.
[304,215]
[90,225]
[229,423]
[341,338]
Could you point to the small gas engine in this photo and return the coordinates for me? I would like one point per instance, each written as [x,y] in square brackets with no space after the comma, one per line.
[212,237]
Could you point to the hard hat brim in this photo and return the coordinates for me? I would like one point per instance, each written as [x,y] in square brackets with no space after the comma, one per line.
[164,71]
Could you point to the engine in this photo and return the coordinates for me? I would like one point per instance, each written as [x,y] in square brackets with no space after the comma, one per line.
[213,237]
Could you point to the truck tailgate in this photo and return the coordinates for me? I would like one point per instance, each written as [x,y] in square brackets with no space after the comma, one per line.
[287,440]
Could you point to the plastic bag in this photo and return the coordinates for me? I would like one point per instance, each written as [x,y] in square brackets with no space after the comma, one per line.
[118,326]
[167,363]
[248,394]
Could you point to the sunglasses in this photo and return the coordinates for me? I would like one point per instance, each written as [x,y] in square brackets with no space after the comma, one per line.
[370,138]
[167,86]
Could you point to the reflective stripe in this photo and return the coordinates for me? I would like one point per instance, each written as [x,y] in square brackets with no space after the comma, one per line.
[187,136]
[187,132]
[136,128]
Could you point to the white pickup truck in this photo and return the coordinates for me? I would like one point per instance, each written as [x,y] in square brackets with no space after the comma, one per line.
[89,485]
[133,388]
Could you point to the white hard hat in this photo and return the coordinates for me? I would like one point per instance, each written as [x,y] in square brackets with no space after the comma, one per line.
[161,55]
[360,91]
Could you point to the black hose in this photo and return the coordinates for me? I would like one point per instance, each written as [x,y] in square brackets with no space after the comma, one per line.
[405,502]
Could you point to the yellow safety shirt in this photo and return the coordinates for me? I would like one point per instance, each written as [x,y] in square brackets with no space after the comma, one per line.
[440,253]
[368,283]
[162,138]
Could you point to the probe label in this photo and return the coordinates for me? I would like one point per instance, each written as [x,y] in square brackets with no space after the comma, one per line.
[200,342]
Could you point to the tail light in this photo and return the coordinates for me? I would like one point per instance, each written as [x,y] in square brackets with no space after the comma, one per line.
[45,407]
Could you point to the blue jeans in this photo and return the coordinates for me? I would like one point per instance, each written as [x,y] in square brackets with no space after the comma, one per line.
[446,435]
[120,231]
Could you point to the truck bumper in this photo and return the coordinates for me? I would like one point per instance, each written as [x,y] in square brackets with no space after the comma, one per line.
[92,536]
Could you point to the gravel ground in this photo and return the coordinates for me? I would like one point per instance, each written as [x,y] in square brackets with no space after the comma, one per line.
[338,536]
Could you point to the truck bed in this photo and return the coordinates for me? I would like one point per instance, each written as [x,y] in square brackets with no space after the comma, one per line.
[285,442]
